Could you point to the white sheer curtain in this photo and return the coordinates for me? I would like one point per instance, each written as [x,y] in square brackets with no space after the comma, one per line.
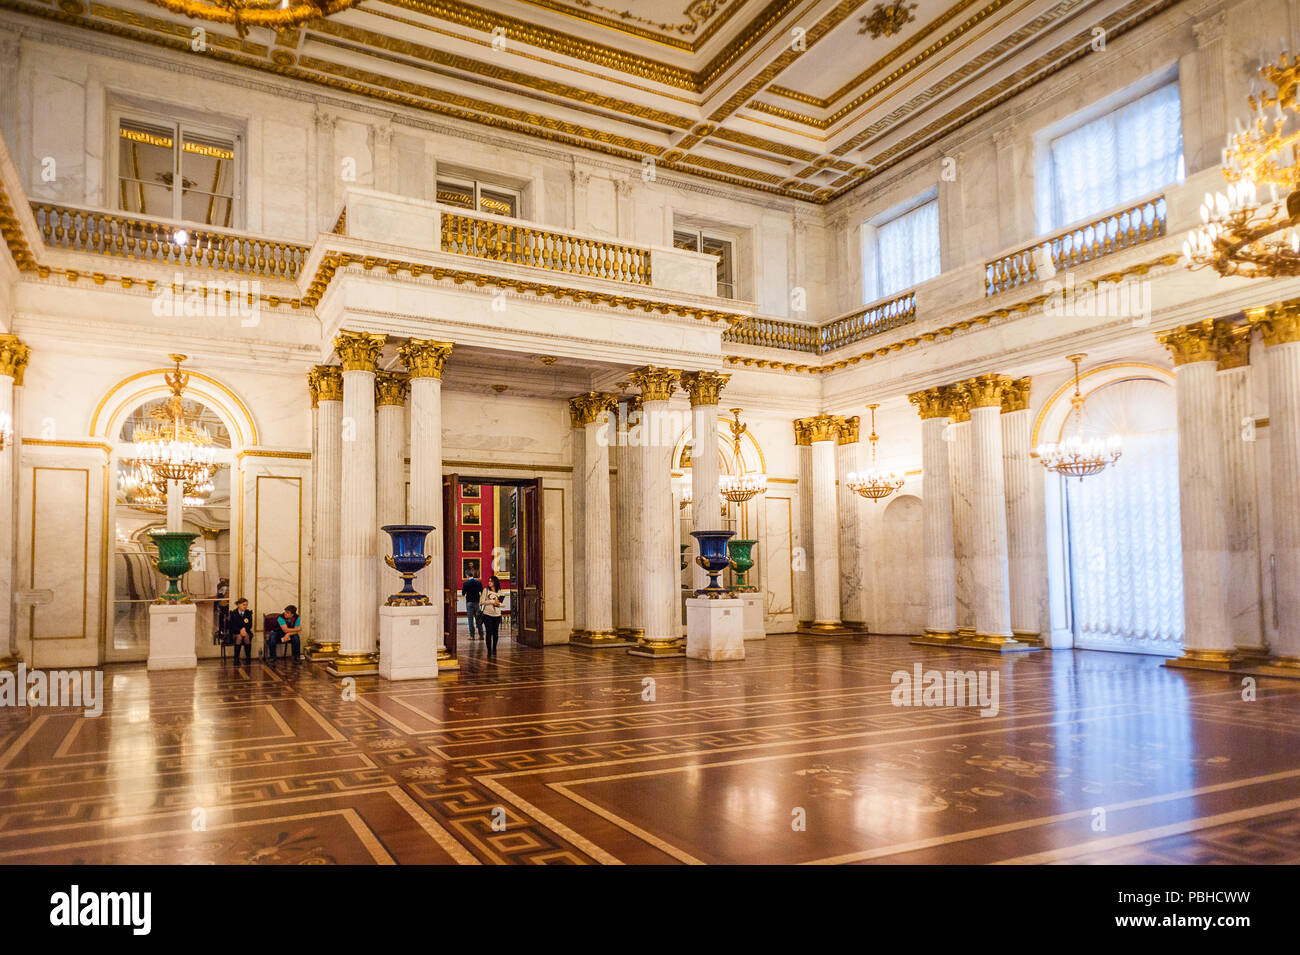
[1126,562]
[1128,153]
[906,252]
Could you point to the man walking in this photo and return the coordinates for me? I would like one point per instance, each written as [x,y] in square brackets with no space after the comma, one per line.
[473,590]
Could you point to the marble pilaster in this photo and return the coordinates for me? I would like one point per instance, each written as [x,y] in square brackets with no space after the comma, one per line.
[853,594]
[934,406]
[589,413]
[823,432]
[391,390]
[705,391]
[803,558]
[634,543]
[1026,541]
[13,361]
[959,467]
[326,384]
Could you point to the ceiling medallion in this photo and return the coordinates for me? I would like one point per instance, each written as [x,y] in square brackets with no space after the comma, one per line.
[887,19]
[242,14]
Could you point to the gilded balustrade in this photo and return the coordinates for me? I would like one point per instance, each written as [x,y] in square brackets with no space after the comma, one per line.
[538,248]
[1073,247]
[820,339]
[110,233]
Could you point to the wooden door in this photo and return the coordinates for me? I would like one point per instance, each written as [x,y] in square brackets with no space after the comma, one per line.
[450,482]
[530,565]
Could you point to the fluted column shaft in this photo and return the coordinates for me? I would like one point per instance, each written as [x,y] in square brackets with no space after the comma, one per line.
[634,544]
[936,510]
[804,603]
[358,623]
[9,348]
[390,472]
[853,596]
[1026,550]
[327,478]
[590,416]
[660,576]
[580,512]
[1245,609]
[705,391]
[826,563]
[992,586]
[960,450]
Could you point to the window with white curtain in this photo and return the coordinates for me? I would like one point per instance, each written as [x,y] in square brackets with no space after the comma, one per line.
[1125,154]
[901,251]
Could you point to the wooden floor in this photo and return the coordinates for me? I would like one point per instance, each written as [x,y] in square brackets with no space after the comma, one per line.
[555,757]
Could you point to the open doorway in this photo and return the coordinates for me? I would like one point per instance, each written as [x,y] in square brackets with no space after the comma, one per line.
[492,526]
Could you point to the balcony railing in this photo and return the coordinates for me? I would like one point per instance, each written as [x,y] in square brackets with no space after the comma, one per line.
[108,233]
[820,339]
[538,248]
[1079,244]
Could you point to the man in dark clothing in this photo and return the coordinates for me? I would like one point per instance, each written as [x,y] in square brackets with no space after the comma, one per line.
[473,590]
[240,627]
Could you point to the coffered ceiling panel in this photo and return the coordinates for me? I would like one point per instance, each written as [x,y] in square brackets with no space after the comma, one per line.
[804,98]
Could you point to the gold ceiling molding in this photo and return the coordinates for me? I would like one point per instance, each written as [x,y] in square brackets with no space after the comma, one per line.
[697,12]
[1139,268]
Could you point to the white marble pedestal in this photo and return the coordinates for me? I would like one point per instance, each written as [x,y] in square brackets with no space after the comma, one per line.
[408,645]
[715,629]
[752,616]
[171,637]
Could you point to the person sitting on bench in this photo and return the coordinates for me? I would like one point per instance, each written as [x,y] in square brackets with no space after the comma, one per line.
[288,626]
[240,627]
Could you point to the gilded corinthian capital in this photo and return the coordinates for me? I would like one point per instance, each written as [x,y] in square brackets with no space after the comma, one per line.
[656,384]
[931,403]
[822,427]
[359,350]
[1280,323]
[391,388]
[423,357]
[985,391]
[587,407]
[13,358]
[1015,396]
[1188,344]
[325,382]
[850,430]
[704,387]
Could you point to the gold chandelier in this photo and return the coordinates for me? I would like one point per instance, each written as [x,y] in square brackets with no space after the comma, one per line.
[1241,233]
[739,488]
[242,14]
[874,484]
[1075,455]
[172,448]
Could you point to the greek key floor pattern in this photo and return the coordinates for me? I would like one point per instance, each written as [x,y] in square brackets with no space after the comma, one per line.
[798,754]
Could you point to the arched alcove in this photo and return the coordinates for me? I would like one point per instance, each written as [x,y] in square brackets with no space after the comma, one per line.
[900,600]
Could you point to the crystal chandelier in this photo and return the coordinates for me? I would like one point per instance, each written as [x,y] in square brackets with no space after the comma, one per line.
[1075,455]
[685,493]
[242,14]
[739,488]
[171,448]
[1242,234]
[874,484]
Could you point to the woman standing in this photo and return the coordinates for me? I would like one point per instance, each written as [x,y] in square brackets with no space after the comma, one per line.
[490,611]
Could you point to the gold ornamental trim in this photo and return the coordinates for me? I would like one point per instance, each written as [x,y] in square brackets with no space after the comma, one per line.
[1015,396]
[959,403]
[1192,343]
[1234,345]
[931,403]
[656,384]
[13,358]
[822,427]
[850,430]
[358,351]
[1280,323]
[985,391]
[392,388]
[704,387]
[325,382]
[587,407]
[424,357]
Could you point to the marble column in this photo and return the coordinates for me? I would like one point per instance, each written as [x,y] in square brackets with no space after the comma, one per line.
[424,360]
[1026,538]
[705,391]
[1281,328]
[823,434]
[391,391]
[13,361]
[802,557]
[989,508]
[590,415]
[578,613]
[934,406]
[326,384]
[661,609]
[358,619]
[632,545]
[1201,487]
[1244,594]
[959,466]
[848,459]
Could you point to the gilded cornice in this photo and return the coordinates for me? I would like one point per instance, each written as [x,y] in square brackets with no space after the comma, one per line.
[850,429]
[1280,323]
[704,387]
[985,391]
[1015,396]
[656,384]
[392,388]
[587,408]
[325,383]
[358,351]
[1191,343]
[423,357]
[822,427]
[13,358]
[931,403]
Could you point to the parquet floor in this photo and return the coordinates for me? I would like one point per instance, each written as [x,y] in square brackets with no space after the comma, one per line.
[794,755]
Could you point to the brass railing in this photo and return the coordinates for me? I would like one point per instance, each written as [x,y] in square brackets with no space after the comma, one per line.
[538,248]
[110,233]
[1079,244]
[820,339]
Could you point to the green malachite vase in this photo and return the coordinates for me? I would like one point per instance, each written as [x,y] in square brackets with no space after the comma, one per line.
[741,561]
[173,563]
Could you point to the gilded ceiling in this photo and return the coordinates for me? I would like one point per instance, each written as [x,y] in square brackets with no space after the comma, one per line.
[804,98]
